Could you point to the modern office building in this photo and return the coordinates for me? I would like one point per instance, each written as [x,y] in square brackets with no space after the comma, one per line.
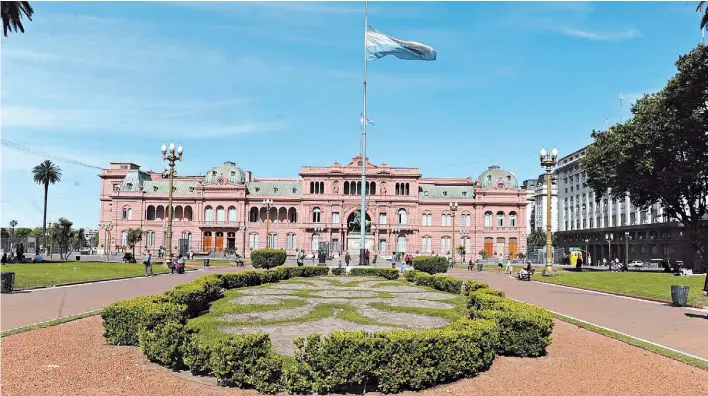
[407,212]
[536,201]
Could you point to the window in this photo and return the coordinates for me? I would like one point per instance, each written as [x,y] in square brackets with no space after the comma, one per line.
[427,243]
[445,245]
[401,244]
[402,216]
[316,187]
[315,242]
[208,214]
[188,213]
[150,238]
[382,218]
[292,215]
[232,213]
[467,220]
[291,241]
[427,219]
[444,220]
[273,241]
[253,215]
[464,194]
[335,245]
[187,236]
[316,215]
[466,242]
[500,219]
[127,213]
[512,219]
[335,217]
[488,219]
[124,238]
[253,241]
[220,214]
[383,246]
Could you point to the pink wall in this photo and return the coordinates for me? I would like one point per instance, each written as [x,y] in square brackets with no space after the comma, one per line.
[494,199]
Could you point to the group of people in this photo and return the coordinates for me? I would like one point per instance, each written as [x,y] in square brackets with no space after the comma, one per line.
[177,264]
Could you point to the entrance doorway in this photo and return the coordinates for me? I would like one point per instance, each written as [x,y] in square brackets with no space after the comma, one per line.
[231,240]
[219,242]
[206,242]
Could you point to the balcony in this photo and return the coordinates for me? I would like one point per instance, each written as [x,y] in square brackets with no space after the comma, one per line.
[217,223]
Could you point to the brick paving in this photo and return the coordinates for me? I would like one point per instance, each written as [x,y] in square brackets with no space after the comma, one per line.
[33,306]
[682,329]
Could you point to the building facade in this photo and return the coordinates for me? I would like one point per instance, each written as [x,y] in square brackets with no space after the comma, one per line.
[226,209]
[537,201]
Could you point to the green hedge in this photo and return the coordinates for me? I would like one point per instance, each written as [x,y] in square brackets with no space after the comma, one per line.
[305,271]
[162,344]
[471,286]
[197,294]
[122,320]
[524,330]
[246,361]
[268,258]
[388,273]
[395,360]
[439,282]
[410,275]
[431,264]
[339,271]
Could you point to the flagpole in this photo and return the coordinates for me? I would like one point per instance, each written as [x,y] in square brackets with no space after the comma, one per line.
[362,223]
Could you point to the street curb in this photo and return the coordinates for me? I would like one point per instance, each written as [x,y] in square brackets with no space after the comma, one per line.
[95,281]
[619,294]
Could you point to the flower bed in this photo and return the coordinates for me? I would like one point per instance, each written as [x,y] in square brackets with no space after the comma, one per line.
[343,361]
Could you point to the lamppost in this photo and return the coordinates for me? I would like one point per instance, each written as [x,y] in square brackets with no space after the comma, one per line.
[587,241]
[453,209]
[170,157]
[13,223]
[626,249]
[267,203]
[464,234]
[395,231]
[609,238]
[107,227]
[548,161]
[318,230]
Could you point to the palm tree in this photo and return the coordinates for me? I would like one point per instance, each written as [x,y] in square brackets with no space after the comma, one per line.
[45,173]
[12,15]
[704,19]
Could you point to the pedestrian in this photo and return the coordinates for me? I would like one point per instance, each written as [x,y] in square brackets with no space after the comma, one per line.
[180,263]
[367,254]
[339,265]
[148,263]
[403,267]
[313,257]
[347,258]
[507,267]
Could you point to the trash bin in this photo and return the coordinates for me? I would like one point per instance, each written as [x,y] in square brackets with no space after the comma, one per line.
[206,262]
[7,282]
[679,295]
[479,266]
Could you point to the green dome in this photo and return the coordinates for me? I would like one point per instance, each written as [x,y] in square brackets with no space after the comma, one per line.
[228,171]
[491,176]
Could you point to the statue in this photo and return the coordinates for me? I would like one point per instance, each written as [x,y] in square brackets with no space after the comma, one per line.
[355,224]
[336,187]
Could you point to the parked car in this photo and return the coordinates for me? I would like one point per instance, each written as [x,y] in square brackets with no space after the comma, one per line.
[636,264]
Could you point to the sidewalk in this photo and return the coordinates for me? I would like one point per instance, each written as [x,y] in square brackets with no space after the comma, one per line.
[23,308]
[683,329]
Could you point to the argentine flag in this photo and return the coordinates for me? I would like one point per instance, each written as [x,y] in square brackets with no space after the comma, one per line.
[379,45]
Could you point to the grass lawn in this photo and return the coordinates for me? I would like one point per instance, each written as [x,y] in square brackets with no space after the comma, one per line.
[632,283]
[35,275]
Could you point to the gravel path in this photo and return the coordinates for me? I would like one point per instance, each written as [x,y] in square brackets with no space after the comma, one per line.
[74,359]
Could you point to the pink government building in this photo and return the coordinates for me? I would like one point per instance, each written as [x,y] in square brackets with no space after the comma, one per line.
[226,208]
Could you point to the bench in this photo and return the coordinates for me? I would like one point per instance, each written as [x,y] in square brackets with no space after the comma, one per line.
[527,276]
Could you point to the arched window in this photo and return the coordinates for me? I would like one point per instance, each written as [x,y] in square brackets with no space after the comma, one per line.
[373,188]
[468,220]
[446,220]
[124,238]
[346,188]
[401,244]
[253,215]
[220,214]
[179,213]
[500,219]
[315,242]
[150,238]
[127,213]
[488,219]
[282,215]
[427,243]
[402,216]
[512,219]
[232,213]
[208,214]
[398,189]
[424,219]
[291,241]
[160,213]
[466,242]
[316,215]
[292,215]
[312,187]
[188,213]
[150,215]
[445,245]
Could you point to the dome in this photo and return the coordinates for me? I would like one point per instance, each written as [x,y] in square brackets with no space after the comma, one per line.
[229,171]
[491,176]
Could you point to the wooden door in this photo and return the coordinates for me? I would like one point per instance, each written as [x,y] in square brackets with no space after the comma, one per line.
[219,242]
[512,248]
[489,247]
[206,242]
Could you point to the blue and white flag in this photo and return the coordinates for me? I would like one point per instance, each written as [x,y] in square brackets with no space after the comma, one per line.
[379,45]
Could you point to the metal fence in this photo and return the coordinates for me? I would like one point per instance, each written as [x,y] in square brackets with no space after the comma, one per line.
[8,245]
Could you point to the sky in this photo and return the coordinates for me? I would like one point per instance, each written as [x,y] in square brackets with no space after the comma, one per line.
[276,86]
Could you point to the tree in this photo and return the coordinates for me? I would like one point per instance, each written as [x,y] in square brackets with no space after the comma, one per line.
[483,254]
[661,154]
[13,223]
[61,235]
[537,239]
[134,235]
[22,232]
[46,173]
[12,12]
[78,239]
[704,19]
[94,240]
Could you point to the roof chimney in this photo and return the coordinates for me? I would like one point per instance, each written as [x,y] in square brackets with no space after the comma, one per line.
[248,176]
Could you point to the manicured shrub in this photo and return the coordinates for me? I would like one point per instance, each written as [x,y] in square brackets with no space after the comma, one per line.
[304,271]
[430,264]
[439,282]
[196,354]
[471,286]
[395,360]
[197,294]
[410,275]
[388,273]
[269,277]
[524,330]
[246,361]
[493,292]
[237,280]
[268,258]
[123,319]
[339,271]
[163,343]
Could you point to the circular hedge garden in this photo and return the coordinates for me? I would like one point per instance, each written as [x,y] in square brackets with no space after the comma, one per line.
[483,326]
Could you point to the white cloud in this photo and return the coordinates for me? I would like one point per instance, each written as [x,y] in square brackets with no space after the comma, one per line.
[625,34]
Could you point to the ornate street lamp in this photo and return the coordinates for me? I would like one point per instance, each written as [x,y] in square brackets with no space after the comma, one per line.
[171,157]
[464,234]
[626,248]
[548,161]
[267,203]
[453,209]
[609,238]
[107,227]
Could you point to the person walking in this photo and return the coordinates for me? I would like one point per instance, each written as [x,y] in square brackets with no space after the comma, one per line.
[180,264]
[347,259]
[148,263]
[366,255]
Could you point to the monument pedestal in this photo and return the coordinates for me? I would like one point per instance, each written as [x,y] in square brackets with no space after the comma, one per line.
[354,246]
